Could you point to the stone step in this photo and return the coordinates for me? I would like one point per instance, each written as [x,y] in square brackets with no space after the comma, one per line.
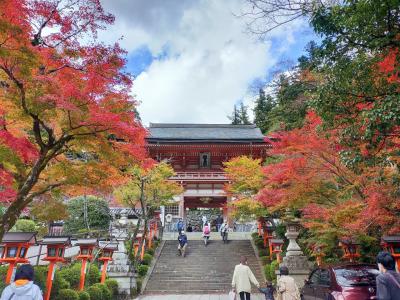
[204,269]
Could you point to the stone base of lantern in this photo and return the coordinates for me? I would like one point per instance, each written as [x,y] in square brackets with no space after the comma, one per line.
[299,268]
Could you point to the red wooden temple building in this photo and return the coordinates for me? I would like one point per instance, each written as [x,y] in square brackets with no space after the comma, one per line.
[197,153]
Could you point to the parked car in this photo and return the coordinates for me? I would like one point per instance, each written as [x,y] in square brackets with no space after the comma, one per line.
[343,282]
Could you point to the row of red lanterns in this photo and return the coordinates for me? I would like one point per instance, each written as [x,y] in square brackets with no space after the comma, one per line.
[14,247]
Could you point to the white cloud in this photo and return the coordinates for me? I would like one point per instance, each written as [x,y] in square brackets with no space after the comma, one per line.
[210,63]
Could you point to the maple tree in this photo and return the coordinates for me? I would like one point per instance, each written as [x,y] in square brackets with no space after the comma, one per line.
[246,178]
[66,118]
[149,186]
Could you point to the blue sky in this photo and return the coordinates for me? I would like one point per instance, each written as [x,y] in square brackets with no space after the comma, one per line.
[193,60]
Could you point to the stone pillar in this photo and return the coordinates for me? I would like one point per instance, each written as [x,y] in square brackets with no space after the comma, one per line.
[295,260]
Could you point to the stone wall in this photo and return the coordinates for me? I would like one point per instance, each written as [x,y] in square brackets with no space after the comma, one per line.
[194,218]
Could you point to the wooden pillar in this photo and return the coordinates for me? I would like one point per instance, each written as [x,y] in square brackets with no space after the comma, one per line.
[83,274]
[10,272]
[49,281]
[104,271]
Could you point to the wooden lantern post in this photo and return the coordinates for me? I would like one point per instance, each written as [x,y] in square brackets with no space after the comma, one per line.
[136,243]
[391,243]
[276,245]
[55,253]
[351,249]
[107,251]
[87,247]
[150,238]
[260,225]
[15,246]
[268,233]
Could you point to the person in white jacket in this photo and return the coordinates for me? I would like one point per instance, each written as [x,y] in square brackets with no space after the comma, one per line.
[23,287]
[242,279]
[286,286]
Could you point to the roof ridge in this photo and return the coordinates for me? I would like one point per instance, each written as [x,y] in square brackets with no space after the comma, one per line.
[199,125]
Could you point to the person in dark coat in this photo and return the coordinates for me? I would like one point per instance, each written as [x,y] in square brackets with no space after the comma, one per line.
[268,291]
[388,282]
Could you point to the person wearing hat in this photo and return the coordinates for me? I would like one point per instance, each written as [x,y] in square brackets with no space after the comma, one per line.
[23,287]
[182,239]
[286,286]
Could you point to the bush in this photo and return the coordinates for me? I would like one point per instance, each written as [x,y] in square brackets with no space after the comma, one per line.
[93,275]
[254,235]
[147,258]
[259,242]
[71,274]
[142,270]
[112,286]
[67,294]
[83,295]
[273,267]
[40,278]
[138,285]
[95,293]
[24,226]
[262,252]
[265,260]
[267,272]
[150,251]
[3,274]
[106,294]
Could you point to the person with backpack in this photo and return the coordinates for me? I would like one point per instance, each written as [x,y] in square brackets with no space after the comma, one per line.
[23,287]
[180,226]
[182,243]
[286,286]
[388,282]
[206,233]
[224,232]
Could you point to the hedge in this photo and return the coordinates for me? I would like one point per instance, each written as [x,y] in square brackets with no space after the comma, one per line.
[83,295]
[112,286]
[95,292]
[147,258]
[106,294]
[142,270]
[150,251]
[67,294]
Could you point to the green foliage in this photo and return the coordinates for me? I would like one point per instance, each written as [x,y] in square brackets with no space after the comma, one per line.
[67,294]
[106,293]
[95,292]
[40,277]
[138,285]
[98,214]
[259,242]
[151,250]
[24,225]
[142,270]
[240,115]
[147,258]
[369,248]
[262,252]
[254,235]
[112,286]
[269,270]
[262,110]
[93,275]
[71,274]
[265,260]
[83,295]
[3,274]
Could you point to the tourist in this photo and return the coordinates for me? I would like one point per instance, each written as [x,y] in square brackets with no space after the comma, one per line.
[23,286]
[182,239]
[242,279]
[180,226]
[268,291]
[224,232]
[286,286]
[189,228]
[206,233]
[219,222]
[204,219]
[388,282]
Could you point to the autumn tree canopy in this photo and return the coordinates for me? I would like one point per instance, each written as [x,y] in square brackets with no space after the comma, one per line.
[66,118]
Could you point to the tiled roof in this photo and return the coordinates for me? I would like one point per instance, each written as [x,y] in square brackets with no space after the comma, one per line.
[51,240]
[217,132]
[18,237]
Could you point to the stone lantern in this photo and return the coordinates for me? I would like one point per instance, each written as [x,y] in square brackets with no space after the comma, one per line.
[351,249]
[87,247]
[15,246]
[107,251]
[391,243]
[295,260]
[55,253]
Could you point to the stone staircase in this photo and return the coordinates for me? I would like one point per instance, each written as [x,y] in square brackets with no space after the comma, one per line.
[204,270]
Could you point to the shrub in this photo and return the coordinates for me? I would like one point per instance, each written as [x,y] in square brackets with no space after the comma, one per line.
[112,286]
[24,226]
[95,293]
[93,275]
[105,292]
[273,267]
[254,235]
[265,260]
[147,258]
[40,277]
[83,295]
[138,285]
[150,251]
[3,274]
[71,274]
[59,283]
[67,294]
[142,270]
[267,272]
[262,252]
[259,242]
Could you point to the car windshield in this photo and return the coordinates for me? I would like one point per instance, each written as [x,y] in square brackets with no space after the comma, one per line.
[355,276]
